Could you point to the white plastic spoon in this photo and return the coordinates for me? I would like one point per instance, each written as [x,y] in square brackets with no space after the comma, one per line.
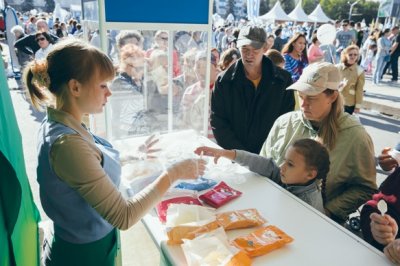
[382,206]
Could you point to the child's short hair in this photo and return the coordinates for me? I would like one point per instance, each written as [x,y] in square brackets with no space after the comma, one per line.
[275,56]
[316,156]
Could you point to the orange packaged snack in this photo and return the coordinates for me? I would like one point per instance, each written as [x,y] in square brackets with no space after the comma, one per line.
[188,221]
[240,259]
[178,233]
[262,241]
[240,219]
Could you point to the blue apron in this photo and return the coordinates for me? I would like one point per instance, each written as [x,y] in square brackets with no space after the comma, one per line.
[105,251]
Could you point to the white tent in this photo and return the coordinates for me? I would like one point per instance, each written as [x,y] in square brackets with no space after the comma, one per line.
[298,14]
[318,15]
[276,13]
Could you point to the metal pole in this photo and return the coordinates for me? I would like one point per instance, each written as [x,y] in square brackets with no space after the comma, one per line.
[351,7]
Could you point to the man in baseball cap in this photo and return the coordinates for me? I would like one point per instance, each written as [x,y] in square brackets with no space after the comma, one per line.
[249,96]
[253,36]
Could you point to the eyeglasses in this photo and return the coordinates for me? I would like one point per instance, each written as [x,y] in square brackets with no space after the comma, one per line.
[40,39]
[345,25]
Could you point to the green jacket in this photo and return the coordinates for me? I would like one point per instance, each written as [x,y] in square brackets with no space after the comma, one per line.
[352,176]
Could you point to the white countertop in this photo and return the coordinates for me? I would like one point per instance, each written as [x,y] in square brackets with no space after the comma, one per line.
[317,240]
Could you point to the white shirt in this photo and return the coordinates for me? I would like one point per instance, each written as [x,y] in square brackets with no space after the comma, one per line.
[42,53]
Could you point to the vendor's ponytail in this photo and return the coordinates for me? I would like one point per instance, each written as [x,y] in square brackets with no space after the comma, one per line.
[37,82]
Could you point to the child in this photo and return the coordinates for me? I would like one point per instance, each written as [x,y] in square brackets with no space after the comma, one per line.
[276,58]
[369,57]
[306,165]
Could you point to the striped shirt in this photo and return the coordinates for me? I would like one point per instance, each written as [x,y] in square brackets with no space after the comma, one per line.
[294,66]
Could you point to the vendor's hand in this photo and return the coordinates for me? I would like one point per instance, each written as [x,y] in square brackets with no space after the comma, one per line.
[148,147]
[186,169]
[392,251]
[383,228]
[216,153]
[386,161]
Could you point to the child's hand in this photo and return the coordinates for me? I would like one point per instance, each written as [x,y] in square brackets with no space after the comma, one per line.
[383,228]
[216,153]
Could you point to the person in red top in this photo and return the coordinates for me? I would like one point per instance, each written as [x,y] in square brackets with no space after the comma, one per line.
[315,53]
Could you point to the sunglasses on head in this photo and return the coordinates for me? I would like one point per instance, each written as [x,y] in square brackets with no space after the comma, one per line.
[40,39]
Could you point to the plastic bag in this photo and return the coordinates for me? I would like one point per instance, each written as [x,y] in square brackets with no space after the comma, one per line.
[220,195]
[188,221]
[240,219]
[262,241]
[138,174]
[213,249]
[176,196]
[199,184]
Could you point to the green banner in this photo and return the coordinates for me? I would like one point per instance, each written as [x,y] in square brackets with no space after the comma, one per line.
[19,217]
[385,8]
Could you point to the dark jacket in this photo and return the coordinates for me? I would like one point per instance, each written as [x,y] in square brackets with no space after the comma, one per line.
[241,115]
[28,44]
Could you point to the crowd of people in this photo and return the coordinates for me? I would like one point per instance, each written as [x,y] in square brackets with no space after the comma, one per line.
[281,106]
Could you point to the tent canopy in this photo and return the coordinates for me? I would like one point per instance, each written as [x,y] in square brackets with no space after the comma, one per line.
[318,15]
[276,13]
[298,14]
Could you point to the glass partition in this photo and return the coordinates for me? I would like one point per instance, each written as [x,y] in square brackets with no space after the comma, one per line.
[160,83]
[161,61]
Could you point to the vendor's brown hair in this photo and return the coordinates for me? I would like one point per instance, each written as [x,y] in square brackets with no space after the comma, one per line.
[70,59]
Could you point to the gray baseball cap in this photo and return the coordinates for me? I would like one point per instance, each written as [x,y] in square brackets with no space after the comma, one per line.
[252,35]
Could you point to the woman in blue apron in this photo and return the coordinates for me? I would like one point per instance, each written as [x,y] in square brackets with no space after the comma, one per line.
[78,172]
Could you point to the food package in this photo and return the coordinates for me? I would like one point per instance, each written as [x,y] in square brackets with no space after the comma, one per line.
[176,196]
[188,221]
[240,219]
[220,195]
[262,241]
[198,184]
[212,248]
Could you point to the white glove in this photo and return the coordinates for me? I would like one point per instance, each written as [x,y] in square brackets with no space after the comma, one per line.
[186,169]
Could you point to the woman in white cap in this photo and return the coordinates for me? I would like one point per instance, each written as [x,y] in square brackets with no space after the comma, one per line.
[352,178]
